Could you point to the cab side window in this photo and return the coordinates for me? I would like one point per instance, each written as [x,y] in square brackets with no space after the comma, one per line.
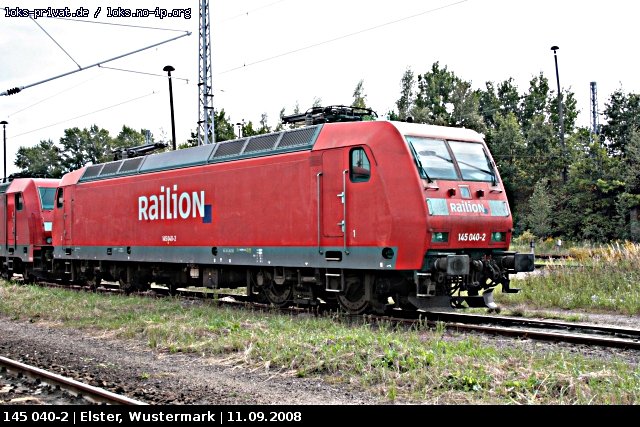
[359,166]
[18,200]
[59,198]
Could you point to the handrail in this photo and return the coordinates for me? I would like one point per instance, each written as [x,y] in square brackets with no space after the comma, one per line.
[344,209]
[318,180]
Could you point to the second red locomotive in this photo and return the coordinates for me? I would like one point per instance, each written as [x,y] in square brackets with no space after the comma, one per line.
[26,212]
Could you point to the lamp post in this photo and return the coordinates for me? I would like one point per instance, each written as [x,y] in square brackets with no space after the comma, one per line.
[560,117]
[4,124]
[169,69]
[240,126]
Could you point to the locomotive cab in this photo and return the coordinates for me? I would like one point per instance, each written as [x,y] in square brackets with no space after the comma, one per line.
[469,223]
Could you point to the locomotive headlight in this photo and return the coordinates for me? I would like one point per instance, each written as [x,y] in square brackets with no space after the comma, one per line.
[48,226]
[498,236]
[440,237]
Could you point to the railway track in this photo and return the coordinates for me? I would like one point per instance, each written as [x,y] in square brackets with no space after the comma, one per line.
[538,329]
[516,327]
[34,384]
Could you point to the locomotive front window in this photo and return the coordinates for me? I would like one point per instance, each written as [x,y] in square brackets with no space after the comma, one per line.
[433,156]
[473,161]
[47,198]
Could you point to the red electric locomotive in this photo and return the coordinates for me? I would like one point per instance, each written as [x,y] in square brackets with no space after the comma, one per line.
[26,212]
[364,214]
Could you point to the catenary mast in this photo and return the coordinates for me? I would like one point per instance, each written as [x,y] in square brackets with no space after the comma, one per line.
[594,108]
[206,134]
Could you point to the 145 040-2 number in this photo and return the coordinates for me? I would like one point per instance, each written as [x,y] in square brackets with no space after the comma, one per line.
[472,237]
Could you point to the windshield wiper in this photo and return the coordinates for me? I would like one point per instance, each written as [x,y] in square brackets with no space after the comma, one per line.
[491,173]
[416,158]
[477,168]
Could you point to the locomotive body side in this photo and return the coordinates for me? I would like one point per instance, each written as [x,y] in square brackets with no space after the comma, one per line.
[340,212]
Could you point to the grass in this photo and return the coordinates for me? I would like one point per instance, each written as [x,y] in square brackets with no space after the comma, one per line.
[607,279]
[417,365]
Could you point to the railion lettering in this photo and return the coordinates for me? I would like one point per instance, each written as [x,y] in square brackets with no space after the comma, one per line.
[170,204]
[468,207]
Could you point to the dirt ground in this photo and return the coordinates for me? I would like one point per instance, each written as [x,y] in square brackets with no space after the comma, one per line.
[131,368]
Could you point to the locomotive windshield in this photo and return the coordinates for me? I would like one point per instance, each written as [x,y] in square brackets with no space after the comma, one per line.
[437,159]
[47,196]
[473,162]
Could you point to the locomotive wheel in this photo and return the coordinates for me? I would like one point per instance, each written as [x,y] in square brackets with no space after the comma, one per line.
[127,287]
[268,289]
[28,277]
[354,299]
[278,295]
[173,288]
[94,281]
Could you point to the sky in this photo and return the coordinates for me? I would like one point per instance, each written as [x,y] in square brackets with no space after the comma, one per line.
[273,54]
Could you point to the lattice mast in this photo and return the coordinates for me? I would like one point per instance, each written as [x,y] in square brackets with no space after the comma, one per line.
[206,133]
[594,108]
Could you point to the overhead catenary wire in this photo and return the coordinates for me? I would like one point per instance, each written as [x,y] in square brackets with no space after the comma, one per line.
[344,36]
[142,72]
[18,89]
[252,10]
[54,40]
[144,27]
[86,114]
[49,97]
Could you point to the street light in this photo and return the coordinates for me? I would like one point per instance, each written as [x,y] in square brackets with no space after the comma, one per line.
[169,69]
[240,126]
[560,117]
[4,124]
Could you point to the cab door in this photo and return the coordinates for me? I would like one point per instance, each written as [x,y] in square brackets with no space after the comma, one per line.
[63,205]
[14,201]
[367,219]
[4,229]
[333,198]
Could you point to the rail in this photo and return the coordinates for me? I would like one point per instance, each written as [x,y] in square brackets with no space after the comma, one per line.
[94,394]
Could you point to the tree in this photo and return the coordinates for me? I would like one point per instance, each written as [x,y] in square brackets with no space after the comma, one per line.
[629,200]
[86,146]
[280,125]
[359,96]
[543,152]
[466,106]
[433,100]
[77,148]
[507,145]
[622,113]
[489,105]
[535,102]
[191,142]
[539,216]
[509,97]
[128,137]
[223,127]
[248,130]
[569,111]
[587,207]
[446,100]
[406,99]
[41,160]
[264,126]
